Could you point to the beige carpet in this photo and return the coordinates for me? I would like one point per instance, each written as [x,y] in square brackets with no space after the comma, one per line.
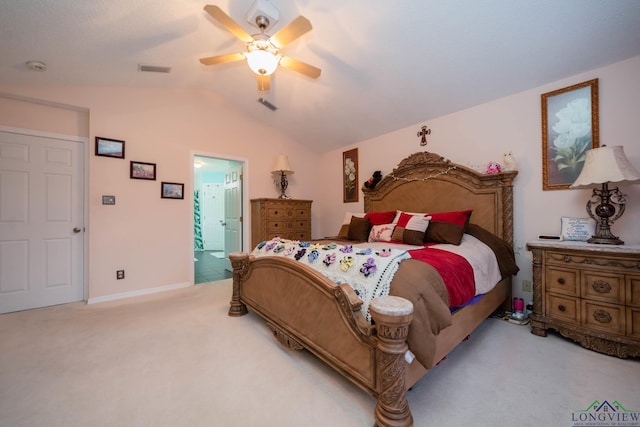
[177,359]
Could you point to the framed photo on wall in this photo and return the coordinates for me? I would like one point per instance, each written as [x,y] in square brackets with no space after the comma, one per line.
[172,190]
[109,147]
[141,170]
[569,129]
[350,176]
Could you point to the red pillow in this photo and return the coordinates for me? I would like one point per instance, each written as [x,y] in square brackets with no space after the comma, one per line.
[460,218]
[379,218]
[447,227]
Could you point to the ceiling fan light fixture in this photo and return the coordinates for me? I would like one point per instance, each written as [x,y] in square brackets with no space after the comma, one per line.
[262,62]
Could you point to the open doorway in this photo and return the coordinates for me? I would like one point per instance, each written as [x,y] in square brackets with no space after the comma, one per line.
[217,216]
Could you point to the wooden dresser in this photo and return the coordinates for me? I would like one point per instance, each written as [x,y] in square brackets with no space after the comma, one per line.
[287,218]
[589,293]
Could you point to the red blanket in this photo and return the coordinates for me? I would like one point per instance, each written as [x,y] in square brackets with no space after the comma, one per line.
[456,273]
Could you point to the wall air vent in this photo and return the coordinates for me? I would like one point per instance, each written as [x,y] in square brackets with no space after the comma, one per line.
[154,69]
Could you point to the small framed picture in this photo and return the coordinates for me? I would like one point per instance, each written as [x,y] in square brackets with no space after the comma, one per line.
[109,147]
[141,170]
[172,190]
[350,176]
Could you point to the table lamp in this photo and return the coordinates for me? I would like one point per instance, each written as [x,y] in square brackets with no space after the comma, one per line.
[283,168]
[602,166]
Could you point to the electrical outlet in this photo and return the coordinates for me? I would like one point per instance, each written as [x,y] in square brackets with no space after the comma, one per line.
[526,286]
[119,274]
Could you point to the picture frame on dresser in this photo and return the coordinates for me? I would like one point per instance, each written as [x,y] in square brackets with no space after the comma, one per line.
[569,129]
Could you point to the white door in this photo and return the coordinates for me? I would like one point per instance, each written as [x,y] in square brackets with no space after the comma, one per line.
[212,216]
[233,210]
[41,221]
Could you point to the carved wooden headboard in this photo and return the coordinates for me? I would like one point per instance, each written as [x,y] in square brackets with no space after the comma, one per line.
[427,182]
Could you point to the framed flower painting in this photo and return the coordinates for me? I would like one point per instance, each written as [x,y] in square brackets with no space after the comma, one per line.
[569,130]
[350,176]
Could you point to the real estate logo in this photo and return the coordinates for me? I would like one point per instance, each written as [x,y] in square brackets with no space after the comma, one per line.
[605,414]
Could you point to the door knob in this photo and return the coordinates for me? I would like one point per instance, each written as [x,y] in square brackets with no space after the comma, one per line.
[77,229]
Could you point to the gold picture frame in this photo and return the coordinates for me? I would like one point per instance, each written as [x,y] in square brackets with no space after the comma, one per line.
[350,189]
[569,129]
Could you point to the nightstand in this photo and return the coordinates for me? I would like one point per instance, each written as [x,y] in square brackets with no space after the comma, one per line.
[286,218]
[589,293]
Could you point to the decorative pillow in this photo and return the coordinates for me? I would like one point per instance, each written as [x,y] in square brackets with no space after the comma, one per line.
[359,229]
[396,218]
[410,229]
[381,218]
[381,233]
[344,228]
[577,228]
[349,215]
[447,227]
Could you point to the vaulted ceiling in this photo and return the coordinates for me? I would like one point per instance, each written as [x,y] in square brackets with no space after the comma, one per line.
[385,64]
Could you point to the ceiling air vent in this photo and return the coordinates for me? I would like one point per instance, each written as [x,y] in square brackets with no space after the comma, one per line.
[154,69]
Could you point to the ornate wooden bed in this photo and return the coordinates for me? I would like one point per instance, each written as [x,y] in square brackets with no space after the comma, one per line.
[332,326]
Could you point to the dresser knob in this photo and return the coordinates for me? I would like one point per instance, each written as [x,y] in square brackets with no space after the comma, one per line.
[602,316]
[561,280]
[562,308]
[601,287]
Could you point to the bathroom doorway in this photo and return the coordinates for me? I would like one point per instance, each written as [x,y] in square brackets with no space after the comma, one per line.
[217,216]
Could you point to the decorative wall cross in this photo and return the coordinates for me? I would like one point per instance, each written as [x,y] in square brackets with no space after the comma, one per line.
[424,131]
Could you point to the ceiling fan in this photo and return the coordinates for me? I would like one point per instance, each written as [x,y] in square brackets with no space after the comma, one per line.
[262,52]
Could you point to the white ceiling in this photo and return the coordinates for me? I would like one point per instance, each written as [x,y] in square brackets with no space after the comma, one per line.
[385,64]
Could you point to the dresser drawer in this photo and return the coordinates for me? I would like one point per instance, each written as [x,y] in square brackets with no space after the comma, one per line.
[633,291]
[296,235]
[603,317]
[606,287]
[633,322]
[562,281]
[563,308]
[287,212]
[278,226]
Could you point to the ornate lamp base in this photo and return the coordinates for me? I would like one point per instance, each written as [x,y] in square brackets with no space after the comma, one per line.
[283,185]
[605,206]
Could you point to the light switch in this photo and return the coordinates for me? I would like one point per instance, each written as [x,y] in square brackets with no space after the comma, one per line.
[108,200]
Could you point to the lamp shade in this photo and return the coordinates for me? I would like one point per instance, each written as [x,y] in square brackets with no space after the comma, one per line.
[606,164]
[262,62]
[282,164]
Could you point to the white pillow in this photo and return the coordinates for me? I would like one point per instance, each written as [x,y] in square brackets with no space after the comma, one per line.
[398,213]
[381,233]
[580,229]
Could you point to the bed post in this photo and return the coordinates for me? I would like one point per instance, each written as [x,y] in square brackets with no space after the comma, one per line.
[392,316]
[240,263]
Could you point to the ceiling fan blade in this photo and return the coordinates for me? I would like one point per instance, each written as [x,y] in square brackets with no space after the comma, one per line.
[221,59]
[300,67]
[264,83]
[290,32]
[231,25]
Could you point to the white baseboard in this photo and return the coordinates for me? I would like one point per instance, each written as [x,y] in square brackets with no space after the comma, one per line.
[138,293]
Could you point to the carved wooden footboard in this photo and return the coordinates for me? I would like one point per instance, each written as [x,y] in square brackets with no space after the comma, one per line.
[306,310]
